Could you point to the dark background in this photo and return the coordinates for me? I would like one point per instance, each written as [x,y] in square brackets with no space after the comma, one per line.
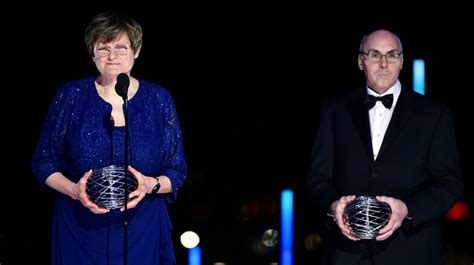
[247,83]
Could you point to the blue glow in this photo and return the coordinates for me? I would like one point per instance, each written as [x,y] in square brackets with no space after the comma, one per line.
[419,76]
[194,256]
[286,227]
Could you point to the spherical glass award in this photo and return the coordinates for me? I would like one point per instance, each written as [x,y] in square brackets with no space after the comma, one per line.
[106,186]
[366,216]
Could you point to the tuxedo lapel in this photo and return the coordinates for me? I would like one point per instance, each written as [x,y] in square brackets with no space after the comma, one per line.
[401,113]
[360,119]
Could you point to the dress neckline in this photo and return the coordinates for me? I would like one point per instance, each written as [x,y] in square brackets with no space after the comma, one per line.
[130,100]
[106,104]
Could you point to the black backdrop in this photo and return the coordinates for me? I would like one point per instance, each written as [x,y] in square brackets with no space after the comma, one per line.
[247,82]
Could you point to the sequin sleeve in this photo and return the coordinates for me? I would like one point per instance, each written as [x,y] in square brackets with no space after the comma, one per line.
[47,157]
[174,162]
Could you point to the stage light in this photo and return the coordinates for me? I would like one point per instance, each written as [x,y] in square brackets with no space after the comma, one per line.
[419,76]
[189,239]
[459,212]
[270,237]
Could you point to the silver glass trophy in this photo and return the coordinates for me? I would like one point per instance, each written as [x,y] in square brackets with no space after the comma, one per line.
[366,216]
[106,186]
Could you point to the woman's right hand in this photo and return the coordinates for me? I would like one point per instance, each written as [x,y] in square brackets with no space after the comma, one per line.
[81,195]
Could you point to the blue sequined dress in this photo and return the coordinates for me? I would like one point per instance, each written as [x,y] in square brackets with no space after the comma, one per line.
[78,136]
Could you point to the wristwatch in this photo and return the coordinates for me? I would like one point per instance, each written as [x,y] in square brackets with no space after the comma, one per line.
[157,187]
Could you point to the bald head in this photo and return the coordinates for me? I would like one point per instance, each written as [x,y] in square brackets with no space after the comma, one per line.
[378,36]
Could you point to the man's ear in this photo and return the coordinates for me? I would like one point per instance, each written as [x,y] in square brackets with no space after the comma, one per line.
[360,63]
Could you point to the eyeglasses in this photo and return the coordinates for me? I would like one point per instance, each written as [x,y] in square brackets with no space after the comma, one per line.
[376,57]
[119,49]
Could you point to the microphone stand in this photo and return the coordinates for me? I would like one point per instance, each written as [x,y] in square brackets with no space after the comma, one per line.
[125,198]
[121,88]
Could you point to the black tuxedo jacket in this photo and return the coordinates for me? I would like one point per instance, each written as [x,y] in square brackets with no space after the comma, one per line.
[418,163]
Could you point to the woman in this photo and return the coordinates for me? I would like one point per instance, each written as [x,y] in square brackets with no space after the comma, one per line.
[84,130]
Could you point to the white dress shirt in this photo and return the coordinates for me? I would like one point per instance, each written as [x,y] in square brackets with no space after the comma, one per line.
[379,116]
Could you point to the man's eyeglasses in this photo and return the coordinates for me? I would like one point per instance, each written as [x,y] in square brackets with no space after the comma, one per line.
[104,51]
[376,57]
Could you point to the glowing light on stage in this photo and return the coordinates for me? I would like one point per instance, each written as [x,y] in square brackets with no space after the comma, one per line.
[270,237]
[194,256]
[312,242]
[459,212]
[190,240]
[419,76]
[286,256]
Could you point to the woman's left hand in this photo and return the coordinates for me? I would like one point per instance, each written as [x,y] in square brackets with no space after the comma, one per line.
[142,188]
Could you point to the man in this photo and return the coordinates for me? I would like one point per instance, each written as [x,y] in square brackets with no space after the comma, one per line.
[400,148]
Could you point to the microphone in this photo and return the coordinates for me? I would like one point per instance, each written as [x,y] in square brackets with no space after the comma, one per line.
[121,88]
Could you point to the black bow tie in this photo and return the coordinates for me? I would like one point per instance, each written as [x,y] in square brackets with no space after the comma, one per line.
[386,100]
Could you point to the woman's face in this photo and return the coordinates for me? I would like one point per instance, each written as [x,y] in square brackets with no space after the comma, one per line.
[115,57]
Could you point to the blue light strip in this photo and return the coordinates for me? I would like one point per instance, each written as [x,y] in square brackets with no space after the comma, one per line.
[194,256]
[419,76]
[286,227]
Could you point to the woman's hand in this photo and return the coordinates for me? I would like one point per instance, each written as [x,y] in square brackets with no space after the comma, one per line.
[79,193]
[142,188]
